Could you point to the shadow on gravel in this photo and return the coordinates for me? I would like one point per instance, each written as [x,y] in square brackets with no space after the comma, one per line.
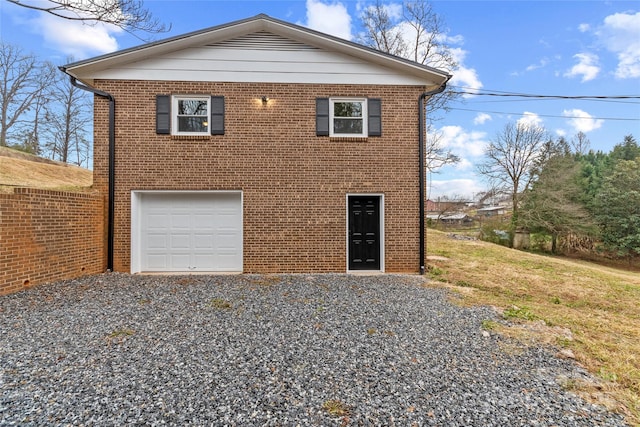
[270,350]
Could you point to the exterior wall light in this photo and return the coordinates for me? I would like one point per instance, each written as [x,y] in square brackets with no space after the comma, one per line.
[265,99]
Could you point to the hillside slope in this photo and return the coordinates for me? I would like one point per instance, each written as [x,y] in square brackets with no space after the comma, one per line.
[18,169]
[589,311]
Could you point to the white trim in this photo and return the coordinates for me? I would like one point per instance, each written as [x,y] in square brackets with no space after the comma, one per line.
[382,234]
[365,115]
[136,219]
[175,99]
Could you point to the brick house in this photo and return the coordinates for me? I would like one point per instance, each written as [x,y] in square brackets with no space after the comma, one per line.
[259,146]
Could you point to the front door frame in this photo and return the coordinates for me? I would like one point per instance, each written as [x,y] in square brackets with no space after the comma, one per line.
[380,197]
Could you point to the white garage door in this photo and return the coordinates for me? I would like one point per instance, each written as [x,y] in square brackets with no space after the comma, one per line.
[190,232]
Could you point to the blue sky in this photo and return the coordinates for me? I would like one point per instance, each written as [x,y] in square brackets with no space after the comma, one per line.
[567,48]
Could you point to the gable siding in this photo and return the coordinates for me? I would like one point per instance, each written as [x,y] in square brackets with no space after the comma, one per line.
[293,182]
[258,57]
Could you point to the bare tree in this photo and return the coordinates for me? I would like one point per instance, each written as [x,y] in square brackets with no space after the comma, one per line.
[130,15]
[580,143]
[416,34]
[511,160]
[22,82]
[436,153]
[28,136]
[67,119]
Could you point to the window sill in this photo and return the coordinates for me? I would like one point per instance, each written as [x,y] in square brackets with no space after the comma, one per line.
[348,139]
[191,137]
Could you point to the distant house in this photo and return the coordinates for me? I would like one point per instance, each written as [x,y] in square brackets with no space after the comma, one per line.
[455,219]
[441,206]
[491,211]
[260,146]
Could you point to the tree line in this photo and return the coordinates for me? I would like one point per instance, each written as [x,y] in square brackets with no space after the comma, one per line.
[41,112]
[575,198]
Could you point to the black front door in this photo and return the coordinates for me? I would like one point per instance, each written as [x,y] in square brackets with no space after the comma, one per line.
[364,233]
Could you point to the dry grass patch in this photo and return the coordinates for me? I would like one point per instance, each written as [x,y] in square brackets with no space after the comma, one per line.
[24,170]
[593,311]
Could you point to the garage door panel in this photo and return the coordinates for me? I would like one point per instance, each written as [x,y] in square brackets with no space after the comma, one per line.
[157,241]
[180,262]
[226,240]
[203,241]
[191,232]
[157,262]
[180,241]
[207,263]
[204,220]
[157,220]
[180,220]
[226,262]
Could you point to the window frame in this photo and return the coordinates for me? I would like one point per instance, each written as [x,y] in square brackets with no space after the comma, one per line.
[365,117]
[175,99]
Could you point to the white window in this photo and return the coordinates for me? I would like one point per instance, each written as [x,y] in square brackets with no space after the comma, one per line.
[190,114]
[348,117]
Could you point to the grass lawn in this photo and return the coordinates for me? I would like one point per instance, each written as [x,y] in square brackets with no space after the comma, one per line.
[591,310]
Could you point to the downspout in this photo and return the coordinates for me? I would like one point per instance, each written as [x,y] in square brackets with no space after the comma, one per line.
[421,132]
[112,158]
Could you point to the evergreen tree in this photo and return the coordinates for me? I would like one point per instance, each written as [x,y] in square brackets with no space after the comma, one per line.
[617,207]
[553,205]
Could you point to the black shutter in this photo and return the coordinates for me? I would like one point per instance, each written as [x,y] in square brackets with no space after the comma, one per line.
[374,107]
[217,115]
[322,116]
[163,114]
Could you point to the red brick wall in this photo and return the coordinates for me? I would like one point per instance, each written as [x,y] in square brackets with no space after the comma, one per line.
[49,235]
[294,183]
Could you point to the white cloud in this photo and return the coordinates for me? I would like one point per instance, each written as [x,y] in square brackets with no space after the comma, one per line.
[481,118]
[581,121]
[621,35]
[587,67]
[465,188]
[530,119]
[75,38]
[583,28]
[543,63]
[464,144]
[394,10]
[463,165]
[464,76]
[330,18]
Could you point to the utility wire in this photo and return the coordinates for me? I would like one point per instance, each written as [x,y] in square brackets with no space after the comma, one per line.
[494,101]
[477,92]
[526,95]
[547,115]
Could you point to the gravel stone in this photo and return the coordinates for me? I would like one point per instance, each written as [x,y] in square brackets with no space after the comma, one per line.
[288,350]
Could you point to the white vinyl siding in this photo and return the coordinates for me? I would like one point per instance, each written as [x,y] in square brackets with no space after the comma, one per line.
[251,59]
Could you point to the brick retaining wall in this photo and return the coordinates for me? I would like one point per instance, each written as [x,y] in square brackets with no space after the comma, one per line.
[49,235]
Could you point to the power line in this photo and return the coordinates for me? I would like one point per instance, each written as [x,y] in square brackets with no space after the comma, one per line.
[548,115]
[614,101]
[501,93]
[527,95]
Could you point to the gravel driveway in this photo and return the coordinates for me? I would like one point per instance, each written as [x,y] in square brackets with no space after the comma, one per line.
[283,350]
